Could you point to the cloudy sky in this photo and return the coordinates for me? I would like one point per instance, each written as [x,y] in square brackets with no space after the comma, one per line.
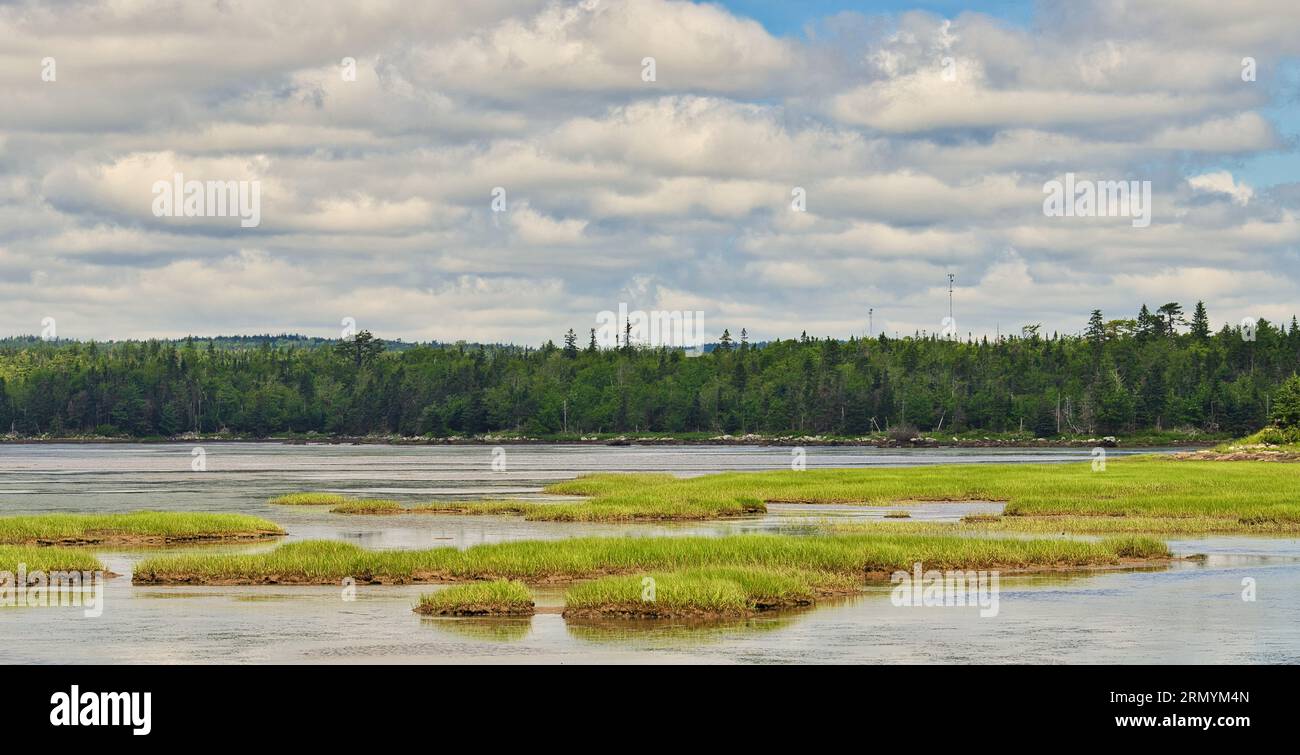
[920,133]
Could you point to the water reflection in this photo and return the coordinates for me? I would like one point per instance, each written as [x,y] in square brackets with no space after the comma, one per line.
[503,629]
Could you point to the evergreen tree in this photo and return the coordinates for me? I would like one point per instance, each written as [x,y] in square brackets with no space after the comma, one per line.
[1200,322]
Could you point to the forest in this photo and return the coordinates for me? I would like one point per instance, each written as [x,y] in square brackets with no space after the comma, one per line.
[1161,370]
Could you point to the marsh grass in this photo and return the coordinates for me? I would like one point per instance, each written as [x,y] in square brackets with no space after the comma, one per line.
[718,592]
[45,559]
[309,499]
[131,528]
[643,508]
[327,562]
[1080,525]
[1257,493]
[369,506]
[500,597]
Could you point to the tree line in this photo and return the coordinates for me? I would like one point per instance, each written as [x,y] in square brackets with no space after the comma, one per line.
[1158,371]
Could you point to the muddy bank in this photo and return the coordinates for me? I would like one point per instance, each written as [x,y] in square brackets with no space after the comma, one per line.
[475,610]
[142,540]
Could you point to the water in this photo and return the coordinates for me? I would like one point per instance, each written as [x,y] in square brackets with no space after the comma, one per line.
[1189,613]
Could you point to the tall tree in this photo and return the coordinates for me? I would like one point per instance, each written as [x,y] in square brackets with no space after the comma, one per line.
[1200,322]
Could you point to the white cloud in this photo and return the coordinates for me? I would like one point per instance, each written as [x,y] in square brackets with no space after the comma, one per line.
[1221,182]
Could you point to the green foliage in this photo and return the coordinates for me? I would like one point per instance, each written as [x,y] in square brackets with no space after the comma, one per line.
[1286,404]
[1117,376]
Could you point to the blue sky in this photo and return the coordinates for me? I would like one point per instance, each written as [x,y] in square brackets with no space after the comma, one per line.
[784,17]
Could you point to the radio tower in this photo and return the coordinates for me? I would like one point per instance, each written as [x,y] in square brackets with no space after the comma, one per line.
[950,317]
[871,329]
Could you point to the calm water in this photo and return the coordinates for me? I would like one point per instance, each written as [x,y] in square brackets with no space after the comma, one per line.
[1192,612]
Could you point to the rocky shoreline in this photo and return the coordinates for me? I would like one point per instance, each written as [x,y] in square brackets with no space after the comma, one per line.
[719,440]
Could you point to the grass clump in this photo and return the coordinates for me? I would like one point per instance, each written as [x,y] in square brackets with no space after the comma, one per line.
[369,506]
[309,499]
[501,597]
[138,527]
[702,593]
[34,558]
[326,562]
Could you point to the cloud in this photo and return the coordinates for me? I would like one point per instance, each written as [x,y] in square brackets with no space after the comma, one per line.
[376,192]
[1221,182]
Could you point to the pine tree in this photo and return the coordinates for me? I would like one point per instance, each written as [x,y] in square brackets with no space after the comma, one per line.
[1168,318]
[1146,324]
[1096,335]
[1200,322]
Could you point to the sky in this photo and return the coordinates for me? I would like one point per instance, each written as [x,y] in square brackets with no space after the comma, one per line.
[505,170]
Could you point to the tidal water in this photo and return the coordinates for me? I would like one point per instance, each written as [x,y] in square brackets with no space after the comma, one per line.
[1192,612]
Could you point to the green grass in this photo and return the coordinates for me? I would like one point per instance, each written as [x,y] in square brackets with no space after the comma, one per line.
[36,558]
[309,499]
[1141,486]
[369,506]
[500,597]
[1075,525]
[134,527]
[327,562]
[661,501]
[711,592]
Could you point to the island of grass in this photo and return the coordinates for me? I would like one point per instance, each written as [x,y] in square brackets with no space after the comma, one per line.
[369,506]
[870,555]
[706,593]
[500,597]
[134,528]
[309,499]
[1190,496]
[663,502]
